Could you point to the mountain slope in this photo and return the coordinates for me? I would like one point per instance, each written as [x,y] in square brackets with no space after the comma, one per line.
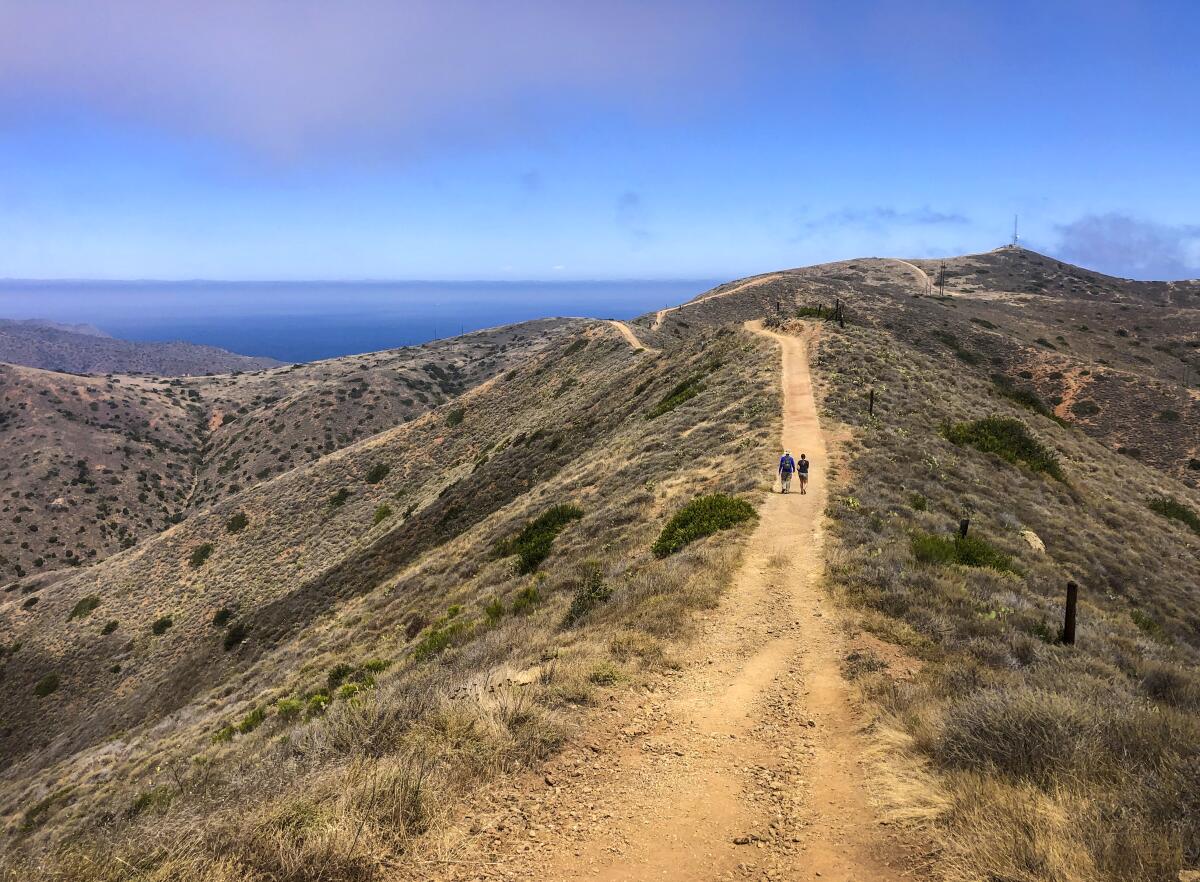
[93,464]
[86,350]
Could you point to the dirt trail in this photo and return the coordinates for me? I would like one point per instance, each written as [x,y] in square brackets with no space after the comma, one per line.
[627,332]
[920,273]
[744,764]
[750,283]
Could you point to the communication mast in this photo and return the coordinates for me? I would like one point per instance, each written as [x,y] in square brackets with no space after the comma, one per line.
[1015,236]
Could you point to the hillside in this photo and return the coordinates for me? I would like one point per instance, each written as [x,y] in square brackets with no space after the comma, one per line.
[483,628]
[83,349]
[93,464]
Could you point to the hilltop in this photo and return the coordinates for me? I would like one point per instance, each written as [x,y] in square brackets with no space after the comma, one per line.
[84,349]
[446,611]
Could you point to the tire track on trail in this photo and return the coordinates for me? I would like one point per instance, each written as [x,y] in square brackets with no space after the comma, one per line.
[746,763]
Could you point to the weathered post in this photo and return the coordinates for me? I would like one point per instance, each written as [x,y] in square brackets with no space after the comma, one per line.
[963,525]
[871,403]
[1068,632]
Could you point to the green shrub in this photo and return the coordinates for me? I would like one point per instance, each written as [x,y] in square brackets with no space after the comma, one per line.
[918,502]
[316,703]
[968,551]
[252,720]
[378,472]
[455,417]
[200,554]
[84,607]
[221,617]
[289,709]
[237,523]
[46,685]
[1010,440]
[339,498]
[225,733]
[1146,623]
[438,638]
[685,391]
[1025,397]
[382,513]
[109,627]
[337,675]
[493,611]
[575,346]
[701,517]
[591,593]
[527,598]
[160,625]
[155,798]
[1170,507]
[532,545]
[235,636]
[376,665]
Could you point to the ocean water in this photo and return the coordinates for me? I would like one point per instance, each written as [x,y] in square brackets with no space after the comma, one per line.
[304,321]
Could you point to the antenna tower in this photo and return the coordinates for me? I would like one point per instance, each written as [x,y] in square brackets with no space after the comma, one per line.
[1015,236]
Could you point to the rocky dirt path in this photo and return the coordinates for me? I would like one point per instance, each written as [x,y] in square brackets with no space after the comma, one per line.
[743,764]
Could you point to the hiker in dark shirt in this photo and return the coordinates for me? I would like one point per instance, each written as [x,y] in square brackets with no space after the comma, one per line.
[802,470]
[787,468]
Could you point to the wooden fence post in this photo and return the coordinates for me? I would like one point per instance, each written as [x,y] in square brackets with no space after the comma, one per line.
[871,404]
[1068,632]
[963,524]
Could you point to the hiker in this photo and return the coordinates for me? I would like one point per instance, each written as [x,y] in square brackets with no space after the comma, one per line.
[787,467]
[802,470]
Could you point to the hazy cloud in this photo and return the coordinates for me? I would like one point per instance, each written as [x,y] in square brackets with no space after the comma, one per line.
[1125,246]
[879,218]
[291,76]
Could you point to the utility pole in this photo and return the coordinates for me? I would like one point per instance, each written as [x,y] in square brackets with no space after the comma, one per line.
[942,280]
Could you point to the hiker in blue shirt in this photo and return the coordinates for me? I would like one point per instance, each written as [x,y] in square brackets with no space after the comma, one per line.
[787,468]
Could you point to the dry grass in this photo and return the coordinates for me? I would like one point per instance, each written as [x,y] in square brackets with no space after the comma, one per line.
[1022,758]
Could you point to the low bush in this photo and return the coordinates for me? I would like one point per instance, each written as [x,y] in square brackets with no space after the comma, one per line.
[160,625]
[46,685]
[685,391]
[289,709]
[84,607]
[382,513]
[455,417]
[527,598]
[438,637]
[200,555]
[339,498]
[1010,440]
[532,545]
[252,721]
[967,551]
[235,636]
[701,517]
[237,523]
[591,593]
[378,472]
[221,617]
[1170,507]
[110,626]
[1025,397]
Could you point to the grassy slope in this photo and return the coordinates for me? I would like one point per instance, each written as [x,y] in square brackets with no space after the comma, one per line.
[321,586]
[1040,761]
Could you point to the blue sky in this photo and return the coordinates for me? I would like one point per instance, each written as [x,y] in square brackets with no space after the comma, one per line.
[289,139]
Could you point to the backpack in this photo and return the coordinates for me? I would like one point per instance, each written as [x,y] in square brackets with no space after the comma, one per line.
[787,465]
[804,466]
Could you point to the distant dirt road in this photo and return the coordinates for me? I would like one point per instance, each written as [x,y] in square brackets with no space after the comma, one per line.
[745,764]
[627,332]
[920,273]
[750,283]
